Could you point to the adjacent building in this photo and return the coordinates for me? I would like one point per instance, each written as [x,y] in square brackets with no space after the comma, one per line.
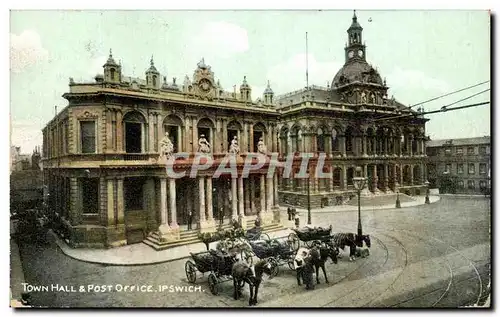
[460,166]
[26,182]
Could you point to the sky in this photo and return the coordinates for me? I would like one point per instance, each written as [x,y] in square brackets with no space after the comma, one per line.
[422,54]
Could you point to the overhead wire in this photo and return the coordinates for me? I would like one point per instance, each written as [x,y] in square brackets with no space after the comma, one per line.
[444,108]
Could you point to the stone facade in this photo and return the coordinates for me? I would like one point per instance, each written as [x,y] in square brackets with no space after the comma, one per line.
[460,166]
[104,163]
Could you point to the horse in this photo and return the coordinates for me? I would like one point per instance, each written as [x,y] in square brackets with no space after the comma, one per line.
[343,239]
[242,273]
[319,254]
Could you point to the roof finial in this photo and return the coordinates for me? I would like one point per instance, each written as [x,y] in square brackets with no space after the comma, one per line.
[110,53]
[354,16]
[268,84]
[152,63]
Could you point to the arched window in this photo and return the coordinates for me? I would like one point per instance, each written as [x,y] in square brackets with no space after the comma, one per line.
[320,140]
[134,130]
[154,80]
[335,141]
[112,73]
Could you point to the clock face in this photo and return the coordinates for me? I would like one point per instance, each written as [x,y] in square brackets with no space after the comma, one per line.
[360,53]
[351,54]
[205,85]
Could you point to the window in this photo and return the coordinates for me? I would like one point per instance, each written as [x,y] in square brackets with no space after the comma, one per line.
[87,135]
[482,150]
[447,150]
[460,151]
[472,168]
[470,184]
[460,184]
[112,73]
[154,81]
[482,168]
[447,168]
[482,184]
[470,150]
[90,194]
[460,168]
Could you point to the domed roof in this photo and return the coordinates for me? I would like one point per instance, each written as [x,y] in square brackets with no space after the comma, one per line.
[268,89]
[359,71]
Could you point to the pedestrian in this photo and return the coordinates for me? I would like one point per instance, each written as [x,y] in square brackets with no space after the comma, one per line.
[190,219]
[289,212]
[221,216]
[307,273]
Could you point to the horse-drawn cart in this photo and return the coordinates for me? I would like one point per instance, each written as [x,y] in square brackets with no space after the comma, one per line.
[219,265]
[308,236]
[276,252]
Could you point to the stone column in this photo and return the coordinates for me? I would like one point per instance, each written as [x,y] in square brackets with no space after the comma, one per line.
[244,138]
[386,145]
[395,176]
[364,145]
[119,132]
[330,180]
[386,177]
[234,198]
[201,195]
[252,193]
[164,227]
[247,198]
[344,178]
[194,124]
[120,204]
[250,133]
[411,174]
[422,173]
[172,203]
[375,179]
[241,211]
[410,146]
[267,216]
[262,194]
[275,194]
[111,202]
[401,182]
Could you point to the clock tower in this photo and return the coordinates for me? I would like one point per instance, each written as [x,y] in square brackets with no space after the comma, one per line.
[355,50]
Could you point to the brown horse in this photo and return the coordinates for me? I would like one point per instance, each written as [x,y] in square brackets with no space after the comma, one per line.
[242,273]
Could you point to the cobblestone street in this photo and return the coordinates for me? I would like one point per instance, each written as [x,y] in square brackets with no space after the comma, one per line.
[430,255]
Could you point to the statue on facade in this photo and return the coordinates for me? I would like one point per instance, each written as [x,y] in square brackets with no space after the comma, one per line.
[203,145]
[261,147]
[363,97]
[234,148]
[372,98]
[166,145]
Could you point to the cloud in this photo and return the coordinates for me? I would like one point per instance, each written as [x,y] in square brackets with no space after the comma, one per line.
[26,133]
[221,39]
[291,74]
[26,50]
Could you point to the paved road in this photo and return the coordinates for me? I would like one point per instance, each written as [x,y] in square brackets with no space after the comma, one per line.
[431,255]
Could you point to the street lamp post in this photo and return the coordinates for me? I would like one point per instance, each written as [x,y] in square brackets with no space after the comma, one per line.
[427,192]
[398,202]
[359,183]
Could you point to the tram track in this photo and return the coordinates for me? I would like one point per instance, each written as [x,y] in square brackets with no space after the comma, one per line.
[357,269]
[450,270]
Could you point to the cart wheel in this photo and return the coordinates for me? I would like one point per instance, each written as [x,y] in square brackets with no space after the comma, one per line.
[264,236]
[247,257]
[190,271]
[294,241]
[212,284]
[275,269]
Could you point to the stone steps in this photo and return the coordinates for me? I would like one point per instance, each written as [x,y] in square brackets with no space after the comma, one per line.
[191,236]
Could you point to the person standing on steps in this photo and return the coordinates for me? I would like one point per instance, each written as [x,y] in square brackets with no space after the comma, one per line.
[190,219]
